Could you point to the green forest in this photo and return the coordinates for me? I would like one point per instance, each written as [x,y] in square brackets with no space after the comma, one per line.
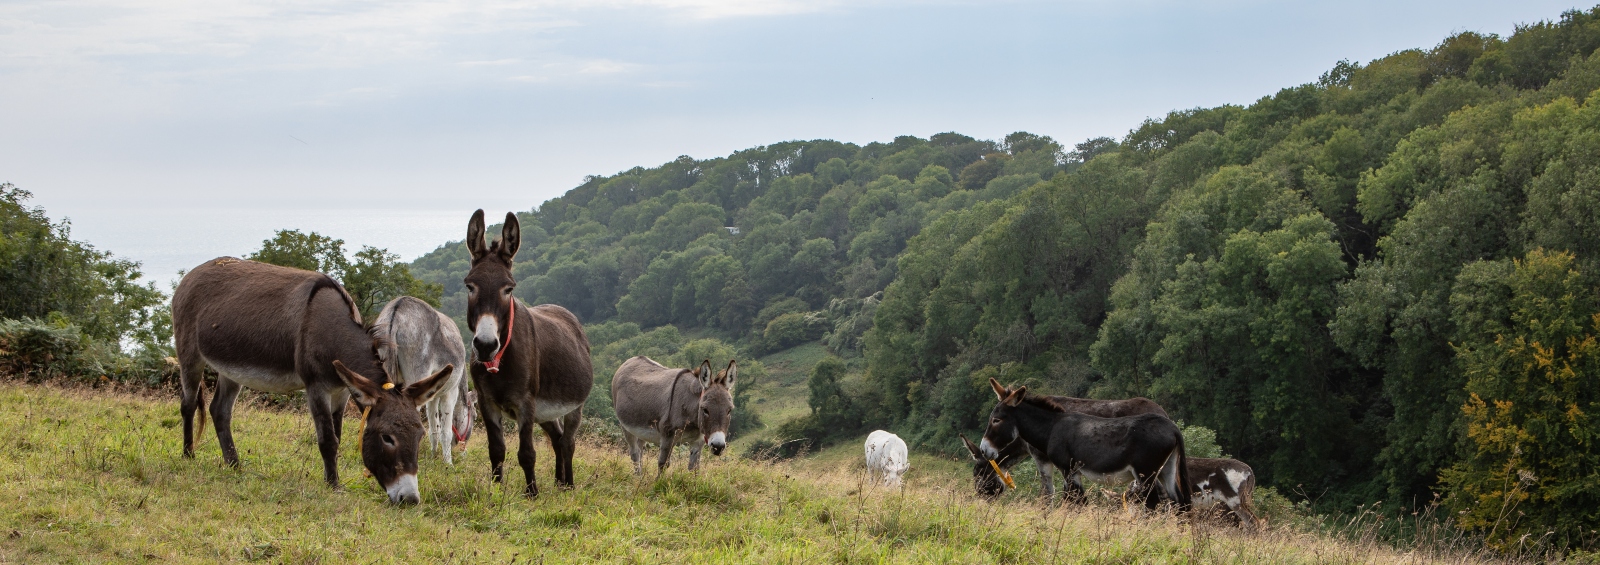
[1380,286]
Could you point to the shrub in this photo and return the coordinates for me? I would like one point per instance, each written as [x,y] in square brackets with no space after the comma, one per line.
[793,329]
[38,350]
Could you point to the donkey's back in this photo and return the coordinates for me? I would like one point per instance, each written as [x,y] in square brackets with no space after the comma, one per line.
[642,395]
[249,317]
[419,342]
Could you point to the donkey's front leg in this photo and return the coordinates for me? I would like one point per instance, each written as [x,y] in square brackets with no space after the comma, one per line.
[496,433]
[525,452]
[695,444]
[325,419]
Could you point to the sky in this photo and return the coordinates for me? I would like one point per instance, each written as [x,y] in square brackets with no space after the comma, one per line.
[174,131]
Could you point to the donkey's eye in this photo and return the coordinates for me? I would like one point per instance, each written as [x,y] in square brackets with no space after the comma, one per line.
[995,421]
[388,440]
[705,411]
[472,288]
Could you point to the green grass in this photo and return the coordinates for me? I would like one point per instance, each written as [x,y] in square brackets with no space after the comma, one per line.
[96,476]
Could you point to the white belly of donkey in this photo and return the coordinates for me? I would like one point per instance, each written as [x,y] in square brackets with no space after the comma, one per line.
[256,378]
[546,411]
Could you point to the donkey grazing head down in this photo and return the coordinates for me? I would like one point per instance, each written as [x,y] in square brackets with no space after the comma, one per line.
[489,284]
[984,476]
[392,431]
[716,405]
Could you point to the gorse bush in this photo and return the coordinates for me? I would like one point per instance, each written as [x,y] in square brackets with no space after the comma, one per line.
[57,350]
[1533,410]
[39,350]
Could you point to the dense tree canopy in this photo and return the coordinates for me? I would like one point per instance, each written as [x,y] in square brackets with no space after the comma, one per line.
[1321,276]
[375,277]
[45,274]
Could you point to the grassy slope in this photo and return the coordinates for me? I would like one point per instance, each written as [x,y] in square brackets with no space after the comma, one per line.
[781,395]
[91,475]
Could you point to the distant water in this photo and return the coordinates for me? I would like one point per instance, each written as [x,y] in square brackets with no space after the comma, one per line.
[167,240]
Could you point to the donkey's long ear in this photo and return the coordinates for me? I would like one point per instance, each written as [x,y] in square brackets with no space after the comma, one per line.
[510,237]
[475,242]
[704,372]
[422,391]
[1000,392]
[977,454]
[731,372]
[362,389]
[1015,397]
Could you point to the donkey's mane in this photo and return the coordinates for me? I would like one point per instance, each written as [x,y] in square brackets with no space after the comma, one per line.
[326,281]
[1045,403]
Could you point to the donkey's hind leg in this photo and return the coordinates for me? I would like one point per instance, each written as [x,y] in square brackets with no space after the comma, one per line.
[669,440]
[635,450]
[564,442]
[192,380]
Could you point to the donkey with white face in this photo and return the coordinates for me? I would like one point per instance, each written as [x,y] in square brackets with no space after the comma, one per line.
[278,329]
[662,405]
[420,341]
[887,458]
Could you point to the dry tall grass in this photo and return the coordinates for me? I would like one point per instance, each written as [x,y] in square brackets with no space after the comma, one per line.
[93,476]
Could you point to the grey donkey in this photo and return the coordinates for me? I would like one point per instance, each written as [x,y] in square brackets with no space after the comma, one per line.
[665,406]
[420,340]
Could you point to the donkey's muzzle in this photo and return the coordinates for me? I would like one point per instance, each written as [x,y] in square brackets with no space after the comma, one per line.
[718,442]
[404,490]
[486,348]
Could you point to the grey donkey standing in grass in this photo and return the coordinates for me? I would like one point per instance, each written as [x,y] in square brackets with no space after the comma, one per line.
[663,405]
[420,341]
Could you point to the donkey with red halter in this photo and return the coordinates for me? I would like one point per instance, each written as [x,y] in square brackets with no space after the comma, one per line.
[531,364]
[1146,449]
[278,329]
[984,474]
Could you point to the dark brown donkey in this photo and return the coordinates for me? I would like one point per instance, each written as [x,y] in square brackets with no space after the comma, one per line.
[277,329]
[989,483]
[532,363]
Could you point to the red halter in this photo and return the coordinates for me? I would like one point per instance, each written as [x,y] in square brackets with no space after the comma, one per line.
[494,365]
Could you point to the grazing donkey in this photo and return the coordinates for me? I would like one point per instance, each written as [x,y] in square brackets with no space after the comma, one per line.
[989,483]
[887,458]
[278,329]
[420,341]
[1225,482]
[531,364]
[1146,449]
[657,404]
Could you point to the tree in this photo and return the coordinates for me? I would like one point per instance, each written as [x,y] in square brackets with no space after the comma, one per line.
[1533,415]
[45,274]
[373,279]
[309,251]
[377,276]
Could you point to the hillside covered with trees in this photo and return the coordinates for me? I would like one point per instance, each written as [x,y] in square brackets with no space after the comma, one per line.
[1378,286]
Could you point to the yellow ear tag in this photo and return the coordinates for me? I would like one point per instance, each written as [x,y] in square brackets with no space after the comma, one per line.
[387,386]
[1004,476]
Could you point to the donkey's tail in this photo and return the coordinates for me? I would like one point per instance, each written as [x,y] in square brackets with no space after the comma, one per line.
[200,406]
[1181,484]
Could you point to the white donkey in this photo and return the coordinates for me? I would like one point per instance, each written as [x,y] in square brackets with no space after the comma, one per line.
[420,340]
[887,458]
